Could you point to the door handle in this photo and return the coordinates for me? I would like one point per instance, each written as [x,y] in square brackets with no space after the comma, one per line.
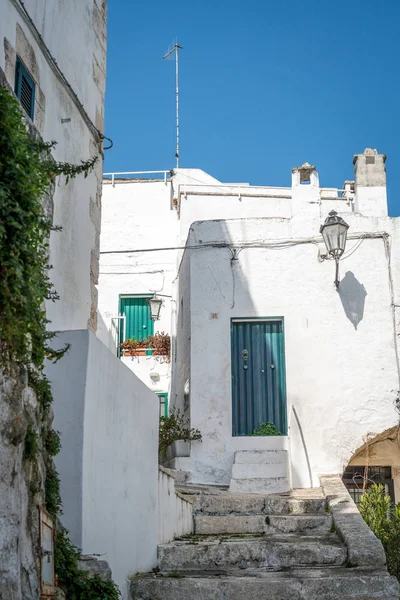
[272,366]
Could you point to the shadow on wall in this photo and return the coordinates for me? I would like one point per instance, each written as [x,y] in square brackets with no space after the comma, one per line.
[352,295]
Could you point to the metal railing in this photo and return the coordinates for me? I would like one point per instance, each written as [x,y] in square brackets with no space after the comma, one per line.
[114,175]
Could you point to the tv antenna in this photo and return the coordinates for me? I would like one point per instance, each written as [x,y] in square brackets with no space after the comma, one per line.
[176,49]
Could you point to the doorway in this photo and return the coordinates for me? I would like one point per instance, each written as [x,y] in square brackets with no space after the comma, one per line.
[258,375]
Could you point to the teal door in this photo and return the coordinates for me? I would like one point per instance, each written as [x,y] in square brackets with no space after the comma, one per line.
[258,375]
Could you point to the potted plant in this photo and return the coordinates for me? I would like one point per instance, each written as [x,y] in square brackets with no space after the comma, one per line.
[175,436]
[133,347]
[160,343]
[266,429]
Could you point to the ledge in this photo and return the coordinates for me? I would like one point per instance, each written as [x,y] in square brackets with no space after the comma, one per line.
[363,547]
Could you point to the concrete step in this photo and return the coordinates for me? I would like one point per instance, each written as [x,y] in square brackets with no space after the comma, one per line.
[302,584]
[248,504]
[222,524]
[268,485]
[258,470]
[254,457]
[276,552]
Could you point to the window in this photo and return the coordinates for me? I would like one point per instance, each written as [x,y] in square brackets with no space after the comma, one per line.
[163,404]
[24,88]
[138,325]
[353,478]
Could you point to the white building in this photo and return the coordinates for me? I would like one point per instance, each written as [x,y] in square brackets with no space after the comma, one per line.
[53,58]
[259,331]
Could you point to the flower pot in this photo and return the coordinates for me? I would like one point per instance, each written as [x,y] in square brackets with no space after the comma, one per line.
[178,448]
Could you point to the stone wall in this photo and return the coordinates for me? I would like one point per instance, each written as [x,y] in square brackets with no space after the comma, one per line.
[21,488]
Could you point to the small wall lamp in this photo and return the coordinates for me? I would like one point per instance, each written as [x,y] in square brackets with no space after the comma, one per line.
[334,233]
[155,304]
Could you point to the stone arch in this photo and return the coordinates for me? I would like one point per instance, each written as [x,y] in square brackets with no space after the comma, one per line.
[378,458]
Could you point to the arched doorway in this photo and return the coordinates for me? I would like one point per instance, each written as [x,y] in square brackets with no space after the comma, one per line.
[376,461]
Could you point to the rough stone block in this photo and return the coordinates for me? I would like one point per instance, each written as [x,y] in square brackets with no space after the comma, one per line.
[272,552]
[364,548]
[270,485]
[217,524]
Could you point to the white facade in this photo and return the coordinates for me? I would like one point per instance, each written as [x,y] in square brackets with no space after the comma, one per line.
[254,252]
[137,216]
[66,28]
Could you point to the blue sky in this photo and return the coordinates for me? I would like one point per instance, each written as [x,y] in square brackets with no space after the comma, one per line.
[264,86]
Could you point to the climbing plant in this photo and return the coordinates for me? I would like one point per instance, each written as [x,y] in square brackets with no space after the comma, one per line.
[27,175]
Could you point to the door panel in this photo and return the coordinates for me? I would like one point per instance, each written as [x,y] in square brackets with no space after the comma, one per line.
[258,375]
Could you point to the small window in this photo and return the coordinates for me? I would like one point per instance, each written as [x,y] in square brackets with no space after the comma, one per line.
[163,396]
[24,88]
[353,478]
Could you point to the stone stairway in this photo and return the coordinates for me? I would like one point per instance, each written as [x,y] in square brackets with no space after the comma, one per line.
[275,547]
[260,472]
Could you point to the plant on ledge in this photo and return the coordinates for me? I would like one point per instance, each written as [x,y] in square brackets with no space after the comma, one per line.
[383,517]
[266,429]
[174,428]
[159,344]
[133,347]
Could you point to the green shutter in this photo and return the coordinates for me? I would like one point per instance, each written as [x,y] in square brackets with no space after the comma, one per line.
[163,396]
[138,323]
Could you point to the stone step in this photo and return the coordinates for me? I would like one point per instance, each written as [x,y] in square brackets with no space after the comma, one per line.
[253,457]
[248,504]
[258,470]
[276,552]
[302,584]
[222,524]
[269,485]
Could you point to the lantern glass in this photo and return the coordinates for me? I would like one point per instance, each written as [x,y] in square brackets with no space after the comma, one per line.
[334,233]
[155,307]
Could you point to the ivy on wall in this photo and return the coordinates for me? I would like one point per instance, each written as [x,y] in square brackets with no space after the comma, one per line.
[27,175]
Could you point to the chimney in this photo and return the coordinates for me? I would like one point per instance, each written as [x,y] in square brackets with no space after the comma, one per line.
[370,183]
[305,190]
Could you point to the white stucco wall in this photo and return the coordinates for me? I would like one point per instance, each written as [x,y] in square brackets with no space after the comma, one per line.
[137,216]
[75,34]
[175,517]
[341,381]
[108,463]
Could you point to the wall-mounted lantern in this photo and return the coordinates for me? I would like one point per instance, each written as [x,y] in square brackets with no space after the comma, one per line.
[155,304]
[334,233]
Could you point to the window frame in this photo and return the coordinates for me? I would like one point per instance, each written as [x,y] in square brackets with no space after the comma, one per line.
[22,71]
[120,314]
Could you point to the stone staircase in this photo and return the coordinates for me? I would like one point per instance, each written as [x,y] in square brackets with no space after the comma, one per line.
[275,547]
[260,472]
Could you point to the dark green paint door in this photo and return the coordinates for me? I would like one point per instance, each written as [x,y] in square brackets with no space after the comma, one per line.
[258,375]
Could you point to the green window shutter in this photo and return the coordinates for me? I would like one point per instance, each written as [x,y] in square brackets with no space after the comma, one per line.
[163,403]
[137,314]
[24,88]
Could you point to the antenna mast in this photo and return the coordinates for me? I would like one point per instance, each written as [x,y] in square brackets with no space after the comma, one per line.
[176,49]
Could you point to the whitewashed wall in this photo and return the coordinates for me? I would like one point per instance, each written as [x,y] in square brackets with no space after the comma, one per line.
[341,381]
[108,463]
[137,216]
[175,517]
[75,35]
